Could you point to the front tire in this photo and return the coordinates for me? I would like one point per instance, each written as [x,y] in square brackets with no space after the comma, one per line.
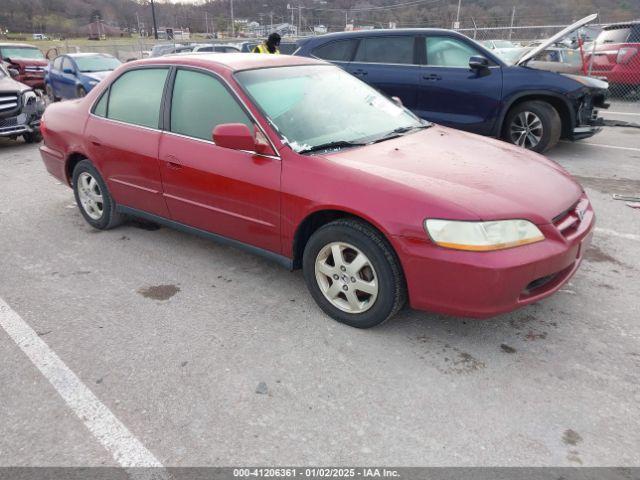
[353,273]
[93,198]
[534,125]
[32,137]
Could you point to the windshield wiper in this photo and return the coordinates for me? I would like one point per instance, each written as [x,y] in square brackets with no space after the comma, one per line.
[332,145]
[398,132]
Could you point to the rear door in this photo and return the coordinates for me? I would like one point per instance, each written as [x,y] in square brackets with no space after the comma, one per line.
[389,63]
[453,94]
[232,193]
[122,135]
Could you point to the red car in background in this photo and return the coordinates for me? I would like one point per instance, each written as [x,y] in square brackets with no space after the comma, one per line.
[295,159]
[27,60]
[617,56]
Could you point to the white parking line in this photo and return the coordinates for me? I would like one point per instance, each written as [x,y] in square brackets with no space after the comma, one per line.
[101,422]
[632,149]
[606,112]
[613,233]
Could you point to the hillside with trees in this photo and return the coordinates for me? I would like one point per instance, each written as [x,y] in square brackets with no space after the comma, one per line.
[67,17]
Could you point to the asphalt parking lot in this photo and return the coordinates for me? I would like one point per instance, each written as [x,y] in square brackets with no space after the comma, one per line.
[188,353]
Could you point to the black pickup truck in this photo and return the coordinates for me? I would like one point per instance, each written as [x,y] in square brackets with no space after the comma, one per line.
[20,109]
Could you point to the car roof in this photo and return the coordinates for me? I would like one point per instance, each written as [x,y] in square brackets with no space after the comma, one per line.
[233,62]
[616,26]
[383,32]
[87,54]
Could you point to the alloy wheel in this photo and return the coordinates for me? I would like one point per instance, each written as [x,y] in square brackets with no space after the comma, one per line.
[346,277]
[526,130]
[90,196]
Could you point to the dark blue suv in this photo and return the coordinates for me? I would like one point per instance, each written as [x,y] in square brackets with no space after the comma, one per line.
[450,79]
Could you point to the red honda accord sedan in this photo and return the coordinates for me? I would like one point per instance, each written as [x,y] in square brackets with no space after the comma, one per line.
[296,160]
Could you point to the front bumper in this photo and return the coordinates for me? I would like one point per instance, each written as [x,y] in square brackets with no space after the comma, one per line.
[485,284]
[26,120]
[588,119]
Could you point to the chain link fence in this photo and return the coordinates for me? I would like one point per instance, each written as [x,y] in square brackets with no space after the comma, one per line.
[607,52]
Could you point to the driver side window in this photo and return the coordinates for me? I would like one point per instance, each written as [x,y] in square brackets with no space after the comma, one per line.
[448,52]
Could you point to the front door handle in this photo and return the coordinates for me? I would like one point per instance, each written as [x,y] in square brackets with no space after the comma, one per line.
[173,162]
[432,77]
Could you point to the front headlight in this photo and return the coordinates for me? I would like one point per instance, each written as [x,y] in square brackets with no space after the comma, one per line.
[482,236]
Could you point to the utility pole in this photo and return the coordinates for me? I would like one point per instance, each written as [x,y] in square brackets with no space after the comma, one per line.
[271,21]
[513,14]
[457,24]
[233,26]
[153,15]
[206,22]
[346,19]
[299,19]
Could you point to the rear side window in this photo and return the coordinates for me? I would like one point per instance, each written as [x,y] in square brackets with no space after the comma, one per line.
[101,107]
[614,35]
[386,50]
[448,52]
[135,97]
[200,102]
[339,51]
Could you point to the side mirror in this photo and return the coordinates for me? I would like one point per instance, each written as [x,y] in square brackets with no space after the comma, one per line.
[69,71]
[13,72]
[478,62]
[397,101]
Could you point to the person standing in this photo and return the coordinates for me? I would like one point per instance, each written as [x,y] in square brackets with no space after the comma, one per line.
[269,46]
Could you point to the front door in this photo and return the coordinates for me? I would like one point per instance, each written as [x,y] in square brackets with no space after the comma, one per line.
[67,79]
[388,63]
[453,94]
[232,193]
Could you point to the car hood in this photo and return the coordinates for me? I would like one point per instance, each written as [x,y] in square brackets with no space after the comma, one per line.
[23,62]
[97,75]
[483,177]
[8,84]
[588,81]
[555,38]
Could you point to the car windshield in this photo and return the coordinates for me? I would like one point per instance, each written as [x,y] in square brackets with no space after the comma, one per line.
[503,44]
[320,105]
[97,63]
[29,53]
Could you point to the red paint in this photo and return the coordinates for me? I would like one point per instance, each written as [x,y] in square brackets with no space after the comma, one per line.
[394,185]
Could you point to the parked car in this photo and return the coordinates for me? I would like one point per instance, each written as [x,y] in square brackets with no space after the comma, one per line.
[375,205]
[27,60]
[286,48]
[169,48]
[74,74]
[216,47]
[20,109]
[617,56]
[557,59]
[447,78]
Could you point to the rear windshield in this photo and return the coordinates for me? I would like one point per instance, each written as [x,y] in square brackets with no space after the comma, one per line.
[614,35]
[22,52]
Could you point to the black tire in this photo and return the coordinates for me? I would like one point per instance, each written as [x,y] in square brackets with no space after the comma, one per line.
[80,92]
[49,91]
[110,217]
[550,122]
[392,292]
[32,137]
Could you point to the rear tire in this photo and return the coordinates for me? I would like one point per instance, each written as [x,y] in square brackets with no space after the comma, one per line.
[93,198]
[49,91]
[365,286]
[534,125]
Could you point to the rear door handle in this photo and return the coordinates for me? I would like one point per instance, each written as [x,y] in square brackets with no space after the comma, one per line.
[432,77]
